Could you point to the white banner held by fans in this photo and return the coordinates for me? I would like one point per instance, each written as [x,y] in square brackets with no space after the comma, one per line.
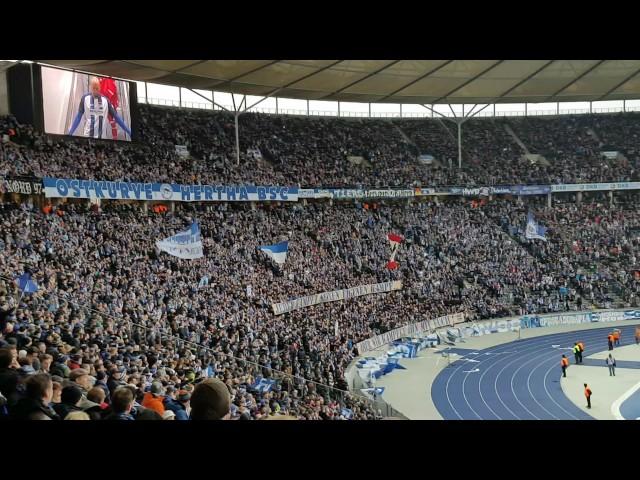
[186,244]
[334,296]
[182,151]
[409,330]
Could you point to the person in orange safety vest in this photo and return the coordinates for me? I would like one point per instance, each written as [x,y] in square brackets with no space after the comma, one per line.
[564,363]
[587,394]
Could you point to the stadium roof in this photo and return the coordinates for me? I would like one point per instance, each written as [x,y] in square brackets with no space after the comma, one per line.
[389,81]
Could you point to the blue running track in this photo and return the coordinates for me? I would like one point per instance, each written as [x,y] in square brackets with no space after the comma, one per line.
[519,380]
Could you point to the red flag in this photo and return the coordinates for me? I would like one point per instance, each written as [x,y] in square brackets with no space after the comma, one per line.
[395,240]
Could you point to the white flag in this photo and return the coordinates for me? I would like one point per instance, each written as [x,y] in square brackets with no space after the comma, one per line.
[186,244]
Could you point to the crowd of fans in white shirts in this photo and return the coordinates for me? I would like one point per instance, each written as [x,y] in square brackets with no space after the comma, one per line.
[120,330]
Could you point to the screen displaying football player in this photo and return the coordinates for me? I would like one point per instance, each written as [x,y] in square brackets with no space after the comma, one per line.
[96,109]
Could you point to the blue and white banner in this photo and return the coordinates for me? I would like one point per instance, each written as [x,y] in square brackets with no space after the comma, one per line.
[480,191]
[277,252]
[533,230]
[530,189]
[186,244]
[66,188]
[585,187]
[373,392]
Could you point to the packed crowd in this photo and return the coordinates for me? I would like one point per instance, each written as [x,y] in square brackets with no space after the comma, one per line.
[343,152]
[119,330]
[113,312]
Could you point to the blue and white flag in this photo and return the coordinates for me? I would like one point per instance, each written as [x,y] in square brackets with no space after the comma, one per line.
[277,252]
[186,244]
[373,392]
[533,230]
[204,281]
[26,285]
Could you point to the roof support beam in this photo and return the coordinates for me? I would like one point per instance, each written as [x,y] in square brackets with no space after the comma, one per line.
[433,111]
[523,81]
[610,91]
[583,74]
[369,75]
[416,80]
[464,84]
[208,99]
[237,77]
[272,93]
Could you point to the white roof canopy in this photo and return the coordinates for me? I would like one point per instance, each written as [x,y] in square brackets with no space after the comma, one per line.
[389,81]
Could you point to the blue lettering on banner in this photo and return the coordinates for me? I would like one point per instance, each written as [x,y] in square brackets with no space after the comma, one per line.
[99,186]
[74,188]
[61,187]
[74,184]
[111,189]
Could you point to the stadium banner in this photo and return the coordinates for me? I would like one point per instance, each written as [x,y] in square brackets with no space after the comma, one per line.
[341,194]
[334,296]
[582,187]
[530,189]
[307,193]
[23,185]
[182,151]
[409,330]
[552,320]
[480,191]
[421,192]
[478,329]
[67,188]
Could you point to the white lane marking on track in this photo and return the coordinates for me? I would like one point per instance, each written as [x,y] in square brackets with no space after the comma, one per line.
[544,382]
[533,343]
[497,362]
[543,354]
[615,406]
[588,337]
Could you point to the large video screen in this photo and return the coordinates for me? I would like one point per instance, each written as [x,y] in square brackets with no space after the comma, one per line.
[85,105]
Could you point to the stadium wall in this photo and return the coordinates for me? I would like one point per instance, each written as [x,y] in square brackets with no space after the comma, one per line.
[4,94]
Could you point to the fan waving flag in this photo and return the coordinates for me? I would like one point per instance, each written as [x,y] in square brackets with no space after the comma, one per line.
[277,252]
[533,230]
[26,285]
[394,240]
[186,244]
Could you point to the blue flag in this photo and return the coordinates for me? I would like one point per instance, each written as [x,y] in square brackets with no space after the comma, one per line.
[277,252]
[533,230]
[27,285]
